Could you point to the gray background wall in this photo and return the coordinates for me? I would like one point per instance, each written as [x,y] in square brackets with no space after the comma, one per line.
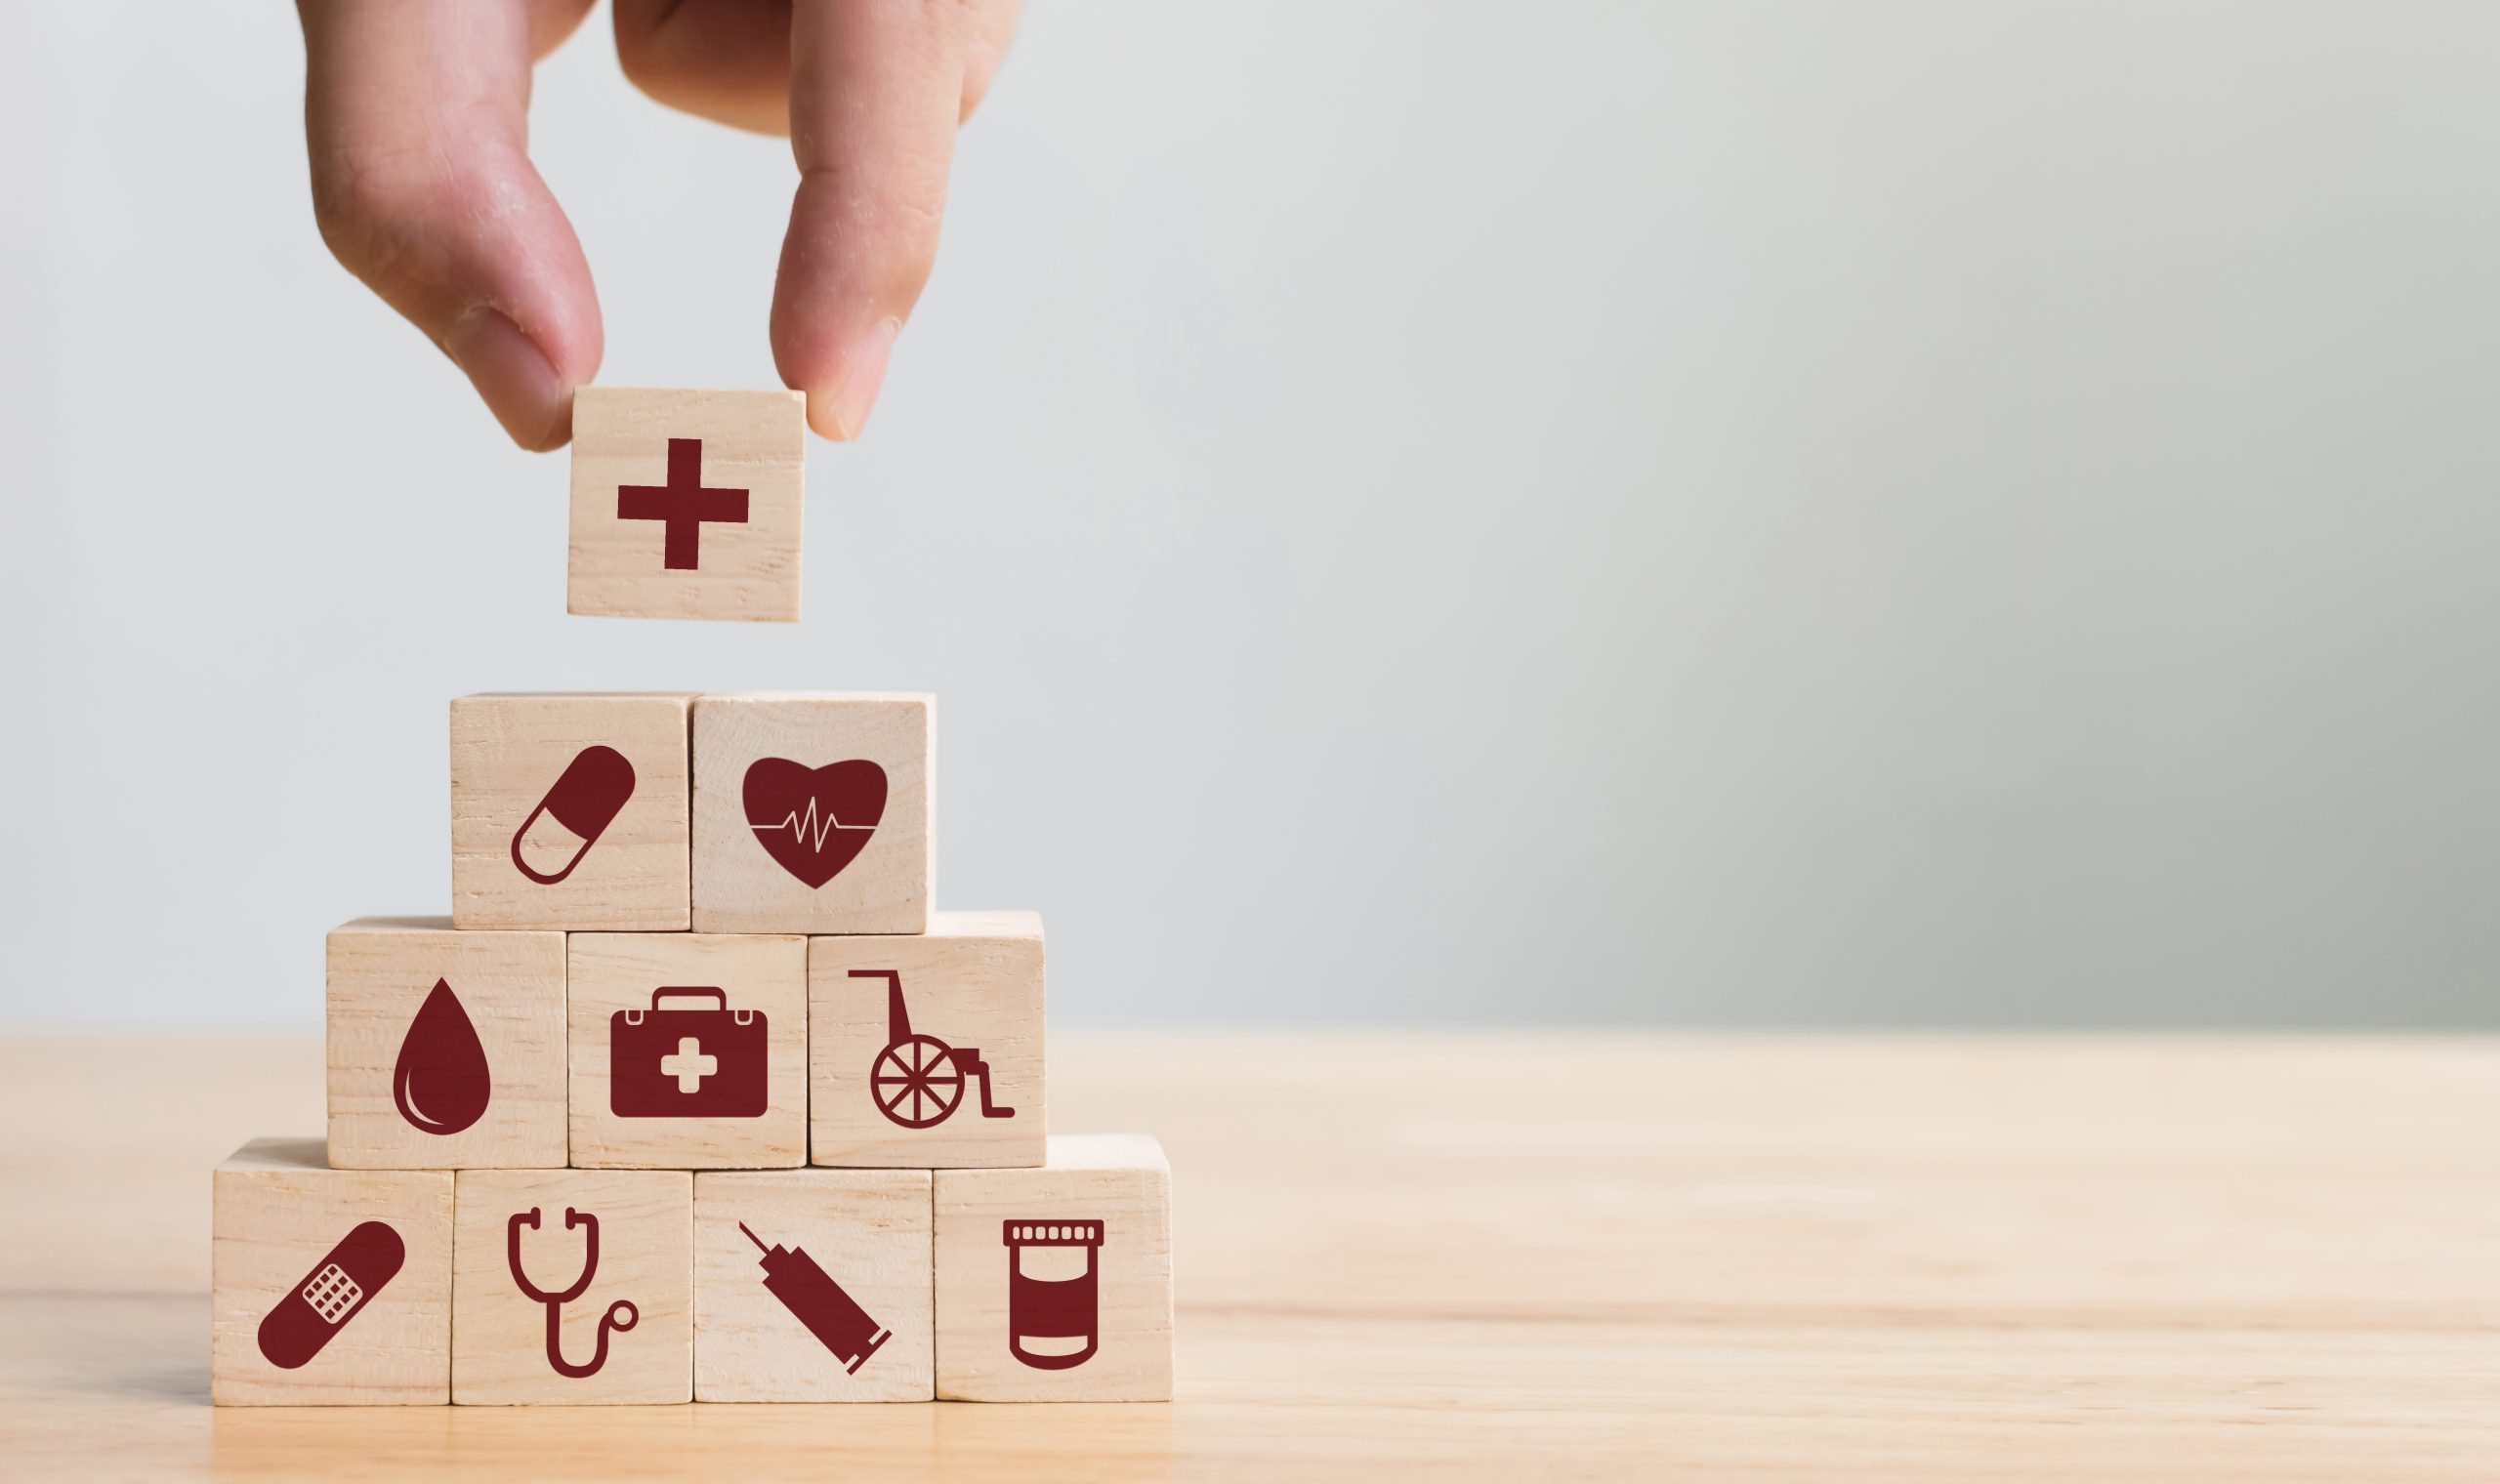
[1768,513]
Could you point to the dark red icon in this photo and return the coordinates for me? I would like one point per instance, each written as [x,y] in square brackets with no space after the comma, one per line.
[919,1080]
[683,505]
[811,1295]
[815,821]
[620,1316]
[584,800]
[336,1291]
[441,1083]
[686,1064]
[1049,1298]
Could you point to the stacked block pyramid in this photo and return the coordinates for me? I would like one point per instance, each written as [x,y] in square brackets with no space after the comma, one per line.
[693,1097]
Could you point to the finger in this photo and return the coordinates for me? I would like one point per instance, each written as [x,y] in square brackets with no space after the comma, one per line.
[993,26]
[417,119]
[876,89]
[728,61]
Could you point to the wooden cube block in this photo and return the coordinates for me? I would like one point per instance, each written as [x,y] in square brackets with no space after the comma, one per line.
[1055,1283]
[687,504]
[813,1286]
[689,1051]
[812,813]
[328,1286]
[926,1051]
[525,1238]
[571,811]
[446,1048]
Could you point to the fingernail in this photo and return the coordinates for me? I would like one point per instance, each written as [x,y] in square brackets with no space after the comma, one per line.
[842,412]
[518,386]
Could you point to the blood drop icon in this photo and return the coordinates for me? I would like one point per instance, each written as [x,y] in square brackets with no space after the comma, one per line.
[441,1082]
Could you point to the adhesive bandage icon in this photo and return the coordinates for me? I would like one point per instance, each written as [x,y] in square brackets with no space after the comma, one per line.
[576,811]
[1053,1293]
[334,1292]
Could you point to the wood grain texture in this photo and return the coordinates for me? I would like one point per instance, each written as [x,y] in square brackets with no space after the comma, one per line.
[1493,1255]
[645,1258]
[755,441]
[511,985]
[1115,1186]
[508,753]
[867,1231]
[759,976]
[279,1212]
[975,982]
[739,886]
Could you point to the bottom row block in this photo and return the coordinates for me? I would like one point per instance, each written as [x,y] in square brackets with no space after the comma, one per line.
[370,1287]
[810,1290]
[572,1286]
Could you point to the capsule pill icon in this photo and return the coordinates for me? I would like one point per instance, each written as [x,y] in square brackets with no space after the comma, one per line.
[573,814]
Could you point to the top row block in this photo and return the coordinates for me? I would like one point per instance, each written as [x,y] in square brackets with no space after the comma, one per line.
[687,504]
[764,813]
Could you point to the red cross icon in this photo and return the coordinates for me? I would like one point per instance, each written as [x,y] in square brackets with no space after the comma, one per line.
[683,504]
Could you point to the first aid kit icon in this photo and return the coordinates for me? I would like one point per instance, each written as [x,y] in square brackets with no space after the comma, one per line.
[672,1062]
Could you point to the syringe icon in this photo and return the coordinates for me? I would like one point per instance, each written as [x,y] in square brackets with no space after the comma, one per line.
[810,1294]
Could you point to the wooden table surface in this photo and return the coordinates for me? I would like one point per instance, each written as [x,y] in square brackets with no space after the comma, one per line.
[1500,1255]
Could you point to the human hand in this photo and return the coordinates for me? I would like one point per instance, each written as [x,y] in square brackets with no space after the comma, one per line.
[417,116]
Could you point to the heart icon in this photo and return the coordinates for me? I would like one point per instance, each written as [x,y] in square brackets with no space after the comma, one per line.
[814,820]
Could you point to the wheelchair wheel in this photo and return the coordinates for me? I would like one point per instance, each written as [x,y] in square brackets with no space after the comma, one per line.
[915,1081]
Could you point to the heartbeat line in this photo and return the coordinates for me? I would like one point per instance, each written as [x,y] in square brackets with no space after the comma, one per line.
[805,826]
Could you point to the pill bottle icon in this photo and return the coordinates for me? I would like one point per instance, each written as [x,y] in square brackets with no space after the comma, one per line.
[576,811]
[1053,1299]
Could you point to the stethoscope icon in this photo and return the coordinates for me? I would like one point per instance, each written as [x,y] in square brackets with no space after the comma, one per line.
[555,1302]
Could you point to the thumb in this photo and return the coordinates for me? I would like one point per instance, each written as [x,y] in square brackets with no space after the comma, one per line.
[876,90]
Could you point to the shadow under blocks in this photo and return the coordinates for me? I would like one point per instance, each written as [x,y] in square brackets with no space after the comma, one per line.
[691,1096]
